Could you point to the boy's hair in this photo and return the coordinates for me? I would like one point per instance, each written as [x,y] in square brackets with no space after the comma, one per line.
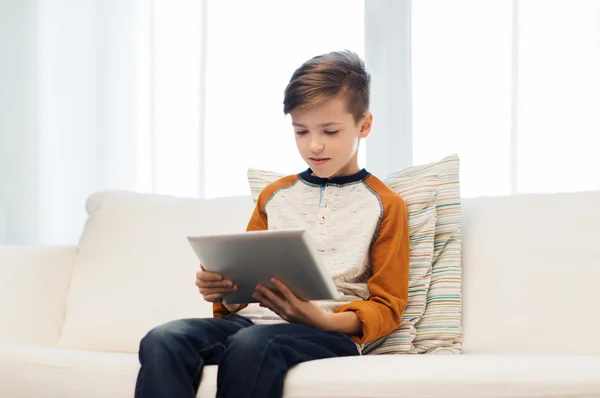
[329,75]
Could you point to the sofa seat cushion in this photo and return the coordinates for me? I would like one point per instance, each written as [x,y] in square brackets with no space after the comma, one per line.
[448,376]
[27,372]
[58,373]
[52,373]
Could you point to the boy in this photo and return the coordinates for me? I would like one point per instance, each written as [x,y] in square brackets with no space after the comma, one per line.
[358,224]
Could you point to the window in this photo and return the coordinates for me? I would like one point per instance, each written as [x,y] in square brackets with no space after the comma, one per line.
[514,91]
[559,96]
[461,70]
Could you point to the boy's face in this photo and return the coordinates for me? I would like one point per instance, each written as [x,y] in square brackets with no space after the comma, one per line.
[327,137]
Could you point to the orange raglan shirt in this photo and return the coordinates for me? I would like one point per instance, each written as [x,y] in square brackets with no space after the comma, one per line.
[360,227]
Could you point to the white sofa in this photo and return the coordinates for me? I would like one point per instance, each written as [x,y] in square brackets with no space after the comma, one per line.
[71,317]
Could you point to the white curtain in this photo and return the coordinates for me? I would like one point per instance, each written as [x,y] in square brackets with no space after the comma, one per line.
[96,95]
[86,109]
[513,87]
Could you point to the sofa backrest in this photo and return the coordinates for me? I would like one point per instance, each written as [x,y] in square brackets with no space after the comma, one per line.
[531,271]
[531,264]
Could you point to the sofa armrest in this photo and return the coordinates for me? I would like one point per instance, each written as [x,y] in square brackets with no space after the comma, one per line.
[33,291]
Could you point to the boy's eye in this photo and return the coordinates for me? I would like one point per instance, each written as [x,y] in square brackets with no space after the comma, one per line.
[302,132]
[330,132]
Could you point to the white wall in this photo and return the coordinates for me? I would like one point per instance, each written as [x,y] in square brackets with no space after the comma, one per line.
[18,120]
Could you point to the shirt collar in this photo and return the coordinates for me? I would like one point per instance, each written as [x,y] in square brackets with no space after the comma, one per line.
[308,177]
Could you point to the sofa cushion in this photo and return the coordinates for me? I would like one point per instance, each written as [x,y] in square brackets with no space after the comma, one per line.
[419,192]
[531,274]
[54,373]
[27,372]
[135,268]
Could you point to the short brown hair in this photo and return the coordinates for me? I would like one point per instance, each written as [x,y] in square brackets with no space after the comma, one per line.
[329,75]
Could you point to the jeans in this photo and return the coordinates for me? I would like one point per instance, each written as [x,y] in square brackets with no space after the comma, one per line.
[253,359]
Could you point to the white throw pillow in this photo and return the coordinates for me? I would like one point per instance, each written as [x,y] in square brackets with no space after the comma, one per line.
[135,268]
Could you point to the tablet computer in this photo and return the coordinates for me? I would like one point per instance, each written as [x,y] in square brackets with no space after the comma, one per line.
[251,258]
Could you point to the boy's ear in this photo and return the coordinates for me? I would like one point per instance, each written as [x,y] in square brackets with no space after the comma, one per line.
[366,123]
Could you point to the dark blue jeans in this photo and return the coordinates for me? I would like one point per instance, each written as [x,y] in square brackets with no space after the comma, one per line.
[252,359]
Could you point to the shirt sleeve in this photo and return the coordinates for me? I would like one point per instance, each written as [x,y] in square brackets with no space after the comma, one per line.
[388,283]
[258,222]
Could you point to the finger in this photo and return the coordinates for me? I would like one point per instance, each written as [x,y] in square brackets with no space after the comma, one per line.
[272,296]
[265,302]
[214,298]
[208,276]
[202,267]
[201,283]
[214,284]
[284,290]
[221,290]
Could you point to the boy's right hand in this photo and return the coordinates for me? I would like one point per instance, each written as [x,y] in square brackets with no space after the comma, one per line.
[213,286]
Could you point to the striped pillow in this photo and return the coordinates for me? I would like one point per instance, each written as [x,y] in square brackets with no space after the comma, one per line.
[259,179]
[419,192]
[439,331]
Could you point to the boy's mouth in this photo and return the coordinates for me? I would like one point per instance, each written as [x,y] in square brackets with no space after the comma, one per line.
[319,161]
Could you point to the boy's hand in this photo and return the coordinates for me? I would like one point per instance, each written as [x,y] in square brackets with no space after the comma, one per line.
[289,307]
[213,286]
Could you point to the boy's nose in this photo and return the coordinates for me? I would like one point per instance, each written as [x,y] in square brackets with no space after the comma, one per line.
[315,146]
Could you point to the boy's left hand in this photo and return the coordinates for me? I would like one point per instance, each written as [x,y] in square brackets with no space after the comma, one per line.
[289,307]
